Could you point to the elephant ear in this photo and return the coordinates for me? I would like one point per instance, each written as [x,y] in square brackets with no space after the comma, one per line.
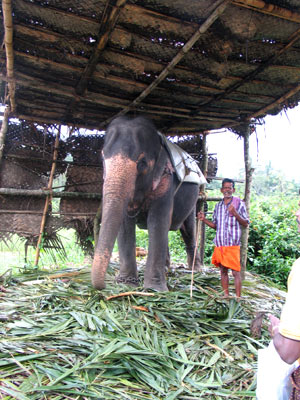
[162,167]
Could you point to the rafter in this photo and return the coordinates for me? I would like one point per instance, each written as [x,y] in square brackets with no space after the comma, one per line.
[202,29]
[267,8]
[282,99]
[292,39]
[109,20]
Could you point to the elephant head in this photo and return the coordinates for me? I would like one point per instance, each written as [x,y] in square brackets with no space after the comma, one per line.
[134,160]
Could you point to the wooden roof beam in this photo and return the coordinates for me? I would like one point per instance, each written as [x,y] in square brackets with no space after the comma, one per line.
[262,111]
[101,100]
[267,8]
[202,29]
[292,39]
[109,20]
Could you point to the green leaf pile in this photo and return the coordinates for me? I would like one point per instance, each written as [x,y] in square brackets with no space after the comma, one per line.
[60,339]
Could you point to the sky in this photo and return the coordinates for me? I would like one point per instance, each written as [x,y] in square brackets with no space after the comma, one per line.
[277,142]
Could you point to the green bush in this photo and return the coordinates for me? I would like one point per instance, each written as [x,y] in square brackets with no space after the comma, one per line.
[273,237]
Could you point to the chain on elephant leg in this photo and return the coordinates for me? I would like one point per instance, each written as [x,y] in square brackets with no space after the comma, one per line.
[130,280]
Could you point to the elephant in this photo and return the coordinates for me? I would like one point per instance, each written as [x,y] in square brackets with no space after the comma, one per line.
[141,187]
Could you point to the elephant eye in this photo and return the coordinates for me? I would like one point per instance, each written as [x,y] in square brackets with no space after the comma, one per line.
[142,165]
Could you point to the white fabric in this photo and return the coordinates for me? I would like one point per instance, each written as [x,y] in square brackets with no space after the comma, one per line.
[185,166]
[273,375]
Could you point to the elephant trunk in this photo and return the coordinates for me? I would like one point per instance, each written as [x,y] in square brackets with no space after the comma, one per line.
[119,186]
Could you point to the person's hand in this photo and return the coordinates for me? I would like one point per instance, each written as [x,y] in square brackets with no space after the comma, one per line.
[232,210]
[274,324]
[201,215]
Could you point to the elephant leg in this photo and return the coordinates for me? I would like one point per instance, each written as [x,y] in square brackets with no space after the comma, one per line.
[126,243]
[158,223]
[188,233]
[168,260]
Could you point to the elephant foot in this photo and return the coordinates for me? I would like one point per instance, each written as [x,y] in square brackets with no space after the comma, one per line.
[197,268]
[197,265]
[130,281]
[98,284]
[159,287]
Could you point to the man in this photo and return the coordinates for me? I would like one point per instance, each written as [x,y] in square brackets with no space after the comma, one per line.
[228,217]
[286,331]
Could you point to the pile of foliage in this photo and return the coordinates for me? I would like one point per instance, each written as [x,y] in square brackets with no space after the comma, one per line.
[60,339]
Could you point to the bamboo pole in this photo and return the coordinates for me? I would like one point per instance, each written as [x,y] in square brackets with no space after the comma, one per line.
[202,191]
[216,13]
[48,199]
[8,41]
[268,8]
[46,192]
[277,102]
[248,180]
[3,131]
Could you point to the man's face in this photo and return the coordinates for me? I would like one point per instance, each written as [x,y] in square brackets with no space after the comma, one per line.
[227,189]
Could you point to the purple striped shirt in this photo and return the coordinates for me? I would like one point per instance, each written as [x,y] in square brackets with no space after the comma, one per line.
[228,229]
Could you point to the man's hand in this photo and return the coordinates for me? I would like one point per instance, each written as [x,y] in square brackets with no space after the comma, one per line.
[232,210]
[274,324]
[201,215]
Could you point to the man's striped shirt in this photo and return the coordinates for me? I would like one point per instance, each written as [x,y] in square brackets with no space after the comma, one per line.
[228,229]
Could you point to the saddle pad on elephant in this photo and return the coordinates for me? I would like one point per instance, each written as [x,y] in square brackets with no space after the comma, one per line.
[185,166]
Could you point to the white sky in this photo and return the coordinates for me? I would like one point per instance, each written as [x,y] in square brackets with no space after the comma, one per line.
[277,141]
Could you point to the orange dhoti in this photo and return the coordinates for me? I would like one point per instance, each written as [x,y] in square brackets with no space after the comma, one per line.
[227,256]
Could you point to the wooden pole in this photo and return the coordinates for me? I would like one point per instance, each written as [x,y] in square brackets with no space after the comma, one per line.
[269,9]
[202,190]
[248,180]
[8,41]
[46,192]
[215,14]
[3,131]
[48,199]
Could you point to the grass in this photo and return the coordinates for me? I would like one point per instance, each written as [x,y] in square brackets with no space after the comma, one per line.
[12,254]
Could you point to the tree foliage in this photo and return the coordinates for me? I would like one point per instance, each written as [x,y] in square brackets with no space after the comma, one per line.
[273,237]
[269,181]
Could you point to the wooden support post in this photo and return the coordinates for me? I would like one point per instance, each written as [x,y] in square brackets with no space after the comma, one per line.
[248,180]
[3,131]
[48,199]
[202,190]
[8,42]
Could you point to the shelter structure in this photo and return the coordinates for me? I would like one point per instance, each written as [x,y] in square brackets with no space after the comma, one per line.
[189,66]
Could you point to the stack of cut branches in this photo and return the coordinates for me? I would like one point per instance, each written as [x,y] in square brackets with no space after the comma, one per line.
[60,339]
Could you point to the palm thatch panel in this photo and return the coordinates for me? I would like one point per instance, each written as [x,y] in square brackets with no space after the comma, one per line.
[191,67]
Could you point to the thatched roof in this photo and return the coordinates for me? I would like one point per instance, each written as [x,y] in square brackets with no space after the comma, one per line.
[189,65]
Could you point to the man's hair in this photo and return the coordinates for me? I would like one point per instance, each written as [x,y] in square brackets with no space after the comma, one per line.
[228,180]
